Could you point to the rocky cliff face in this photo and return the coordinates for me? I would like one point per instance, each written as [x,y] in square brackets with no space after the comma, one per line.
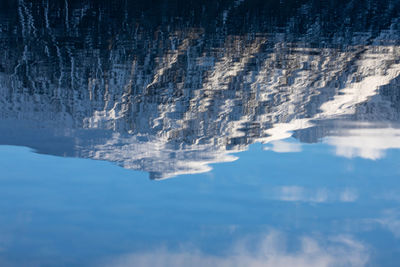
[171,93]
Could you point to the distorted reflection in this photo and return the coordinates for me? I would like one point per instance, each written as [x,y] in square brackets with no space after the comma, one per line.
[319,195]
[390,220]
[269,250]
[170,98]
[307,91]
[365,142]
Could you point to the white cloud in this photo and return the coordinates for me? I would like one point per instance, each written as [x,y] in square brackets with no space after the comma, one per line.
[348,195]
[297,193]
[317,195]
[365,143]
[269,251]
[391,221]
[284,147]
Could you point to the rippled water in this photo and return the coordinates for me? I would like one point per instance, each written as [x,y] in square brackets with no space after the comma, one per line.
[276,122]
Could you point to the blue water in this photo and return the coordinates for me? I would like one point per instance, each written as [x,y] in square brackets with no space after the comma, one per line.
[80,211]
[200,133]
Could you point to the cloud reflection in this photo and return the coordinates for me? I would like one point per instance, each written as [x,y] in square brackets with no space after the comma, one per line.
[365,143]
[390,221]
[284,147]
[317,195]
[269,251]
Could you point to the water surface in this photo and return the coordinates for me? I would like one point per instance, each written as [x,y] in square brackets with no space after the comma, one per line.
[269,131]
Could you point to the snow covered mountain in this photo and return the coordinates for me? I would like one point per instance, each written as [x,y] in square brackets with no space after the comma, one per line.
[170,95]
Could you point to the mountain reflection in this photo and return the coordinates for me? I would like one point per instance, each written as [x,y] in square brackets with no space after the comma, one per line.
[173,89]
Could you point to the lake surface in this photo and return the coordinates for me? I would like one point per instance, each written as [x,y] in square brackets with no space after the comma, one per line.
[200,133]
